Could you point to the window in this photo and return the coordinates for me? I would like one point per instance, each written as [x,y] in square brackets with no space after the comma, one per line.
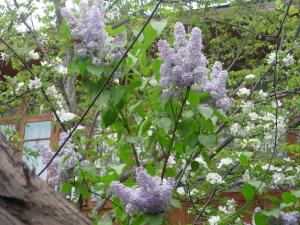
[36,133]
[33,130]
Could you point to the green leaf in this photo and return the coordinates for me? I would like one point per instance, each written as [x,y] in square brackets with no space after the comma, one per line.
[187,114]
[109,117]
[125,152]
[165,124]
[206,111]
[248,191]
[144,127]
[66,188]
[221,116]
[115,32]
[176,203]
[273,212]
[95,70]
[257,184]
[194,98]
[194,165]
[132,139]
[208,141]
[159,25]
[154,219]
[133,107]
[244,157]
[288,198]
[296,193]
[261,219]
[117,94]
[118,168]
[103,99]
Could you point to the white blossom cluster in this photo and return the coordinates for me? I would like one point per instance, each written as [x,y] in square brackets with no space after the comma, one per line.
[288,60]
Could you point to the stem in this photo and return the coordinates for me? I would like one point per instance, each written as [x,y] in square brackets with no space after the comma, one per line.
[173,134]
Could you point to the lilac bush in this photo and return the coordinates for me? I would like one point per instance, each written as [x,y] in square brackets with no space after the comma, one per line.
[151,196]
[185,66]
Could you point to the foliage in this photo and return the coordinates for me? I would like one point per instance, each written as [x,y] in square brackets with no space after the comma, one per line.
[183,136]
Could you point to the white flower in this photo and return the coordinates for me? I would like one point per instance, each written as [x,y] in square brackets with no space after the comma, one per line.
[214,178]
[288,60]
[117,81]
[231,203]
[269,117]
[180,191]
[22,11]
[2,56]
[272,58]
[253,116]
[246,176]
[214,220]
[201,161]
[229,208]
[250,77]
[58,60]
[247,107]
[238,221]
[172,160]
[278,178]
[44,63]
[287,159]
[51,91]
[194,192]
[225,162]
[243,92]
[34,55]
[235,129]
[255,143]
[278,104]
[19,86]
[223,209]
[65,116]
[262,94]
[62,69]
[150,132]
[272,168]
[36,83]
[153,82]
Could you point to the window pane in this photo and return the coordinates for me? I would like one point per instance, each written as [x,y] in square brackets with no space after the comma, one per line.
[37,130]
[32,157]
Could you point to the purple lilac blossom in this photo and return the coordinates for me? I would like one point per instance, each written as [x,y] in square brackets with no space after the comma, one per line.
[291,218]
[62,167]
[185,66]
[151,196]
[88,29]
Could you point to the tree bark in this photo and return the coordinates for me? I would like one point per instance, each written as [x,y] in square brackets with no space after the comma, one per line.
[26,200]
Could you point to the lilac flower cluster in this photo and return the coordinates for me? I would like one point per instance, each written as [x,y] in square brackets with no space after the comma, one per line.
[152,195]
[185,66]
[62,167]
[88,29]
[289,218]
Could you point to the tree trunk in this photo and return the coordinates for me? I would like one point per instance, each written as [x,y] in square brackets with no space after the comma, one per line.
[25,199]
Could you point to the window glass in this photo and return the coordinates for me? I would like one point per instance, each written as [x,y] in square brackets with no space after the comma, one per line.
[37,130]
[32,156]
[34,132]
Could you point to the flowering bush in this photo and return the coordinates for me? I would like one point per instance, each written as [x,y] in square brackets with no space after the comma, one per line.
[187,114]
